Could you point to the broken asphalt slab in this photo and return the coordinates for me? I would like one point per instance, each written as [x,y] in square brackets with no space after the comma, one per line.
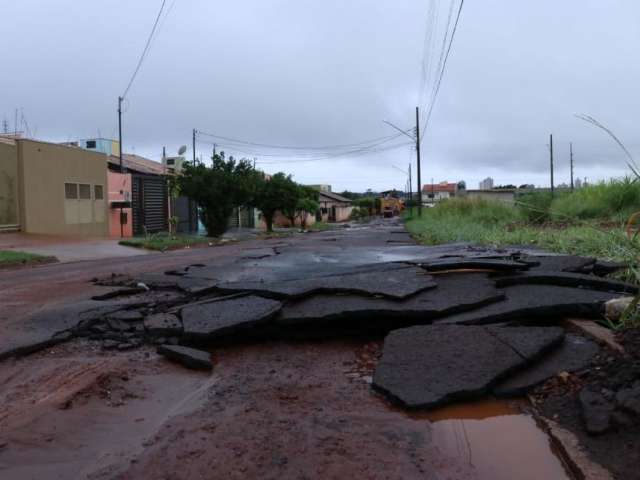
[428,366]
[389,280]
[189,357]
[207,321]
[454,293]
[566,279]
[535,302]
[471,264]
[573,354]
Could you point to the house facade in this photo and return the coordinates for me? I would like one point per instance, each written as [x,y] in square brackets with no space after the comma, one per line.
[333,207]
[53,189]
[434,193]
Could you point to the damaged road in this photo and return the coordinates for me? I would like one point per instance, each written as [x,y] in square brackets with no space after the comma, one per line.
[450,323]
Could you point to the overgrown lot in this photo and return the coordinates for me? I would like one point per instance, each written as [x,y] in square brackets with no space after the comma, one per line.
[591,221]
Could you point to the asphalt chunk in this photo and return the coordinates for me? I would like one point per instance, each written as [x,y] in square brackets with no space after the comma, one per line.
[206,321]
[454,293]
[535,302]
[424,367]
[574,353]
[189,357]
[163,324]
[393,281]
[566,279]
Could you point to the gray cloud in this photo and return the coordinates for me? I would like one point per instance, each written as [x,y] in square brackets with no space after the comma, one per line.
[305,72]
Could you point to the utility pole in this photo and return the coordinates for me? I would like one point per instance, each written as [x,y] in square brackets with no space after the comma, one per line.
[571,163]
[5,126]
[120,133]
[551,161]
[418,161]
[410,184]
[194,147]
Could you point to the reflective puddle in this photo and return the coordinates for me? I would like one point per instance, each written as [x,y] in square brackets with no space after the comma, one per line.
[496,440]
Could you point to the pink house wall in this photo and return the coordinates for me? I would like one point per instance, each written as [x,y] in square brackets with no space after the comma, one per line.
[119,186]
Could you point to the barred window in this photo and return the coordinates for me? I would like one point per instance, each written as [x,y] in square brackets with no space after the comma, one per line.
[71,191]
[98,193]
[85,191]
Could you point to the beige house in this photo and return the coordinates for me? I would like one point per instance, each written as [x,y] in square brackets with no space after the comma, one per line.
[52,189]
[333,207]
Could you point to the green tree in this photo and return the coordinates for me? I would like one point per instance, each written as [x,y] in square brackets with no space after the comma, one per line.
[307,204]
[279,192]
[218,189]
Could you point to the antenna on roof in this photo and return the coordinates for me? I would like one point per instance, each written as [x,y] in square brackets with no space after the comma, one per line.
[182,149]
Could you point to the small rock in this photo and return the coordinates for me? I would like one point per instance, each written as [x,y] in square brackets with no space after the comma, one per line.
[629,399]
[189,357]
[614,309]
[126,346]
[596,412]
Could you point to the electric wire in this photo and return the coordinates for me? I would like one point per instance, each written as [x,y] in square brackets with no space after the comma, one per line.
[145,50]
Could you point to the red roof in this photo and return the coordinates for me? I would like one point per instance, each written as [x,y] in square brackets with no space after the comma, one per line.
[440,187]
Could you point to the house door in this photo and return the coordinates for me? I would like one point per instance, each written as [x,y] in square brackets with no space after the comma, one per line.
[332,216]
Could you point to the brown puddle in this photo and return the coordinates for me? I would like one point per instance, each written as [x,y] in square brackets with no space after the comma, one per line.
[496,440]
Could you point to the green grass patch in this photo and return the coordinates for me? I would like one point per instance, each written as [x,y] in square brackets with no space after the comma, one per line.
[323,226]
[11,258]
[497,224]
[165,241]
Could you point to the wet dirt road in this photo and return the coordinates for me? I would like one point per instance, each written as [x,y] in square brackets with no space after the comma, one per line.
[295,409]
[272,410]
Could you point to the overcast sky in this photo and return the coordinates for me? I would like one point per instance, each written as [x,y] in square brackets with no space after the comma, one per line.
[318,73]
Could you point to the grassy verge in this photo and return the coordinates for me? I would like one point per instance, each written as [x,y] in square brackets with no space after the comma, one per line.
[164,242]
[323,226]
[11,258]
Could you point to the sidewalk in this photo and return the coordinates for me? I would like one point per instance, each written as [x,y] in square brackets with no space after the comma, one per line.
[68,249]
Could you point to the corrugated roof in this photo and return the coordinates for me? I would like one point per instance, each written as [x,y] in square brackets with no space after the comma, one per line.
[334,196]
[138,164]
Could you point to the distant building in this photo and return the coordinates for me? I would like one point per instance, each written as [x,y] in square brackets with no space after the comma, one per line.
[322,187]
[578,183]
[433,193]
[486,184]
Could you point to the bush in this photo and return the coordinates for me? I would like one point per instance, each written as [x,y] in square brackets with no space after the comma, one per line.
[535,206]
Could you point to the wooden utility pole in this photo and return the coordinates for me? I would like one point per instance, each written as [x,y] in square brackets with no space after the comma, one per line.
[551,161]
[418,161]
[194,147]
[571,162]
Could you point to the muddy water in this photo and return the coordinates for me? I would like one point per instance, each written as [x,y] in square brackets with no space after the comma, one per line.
[496,440]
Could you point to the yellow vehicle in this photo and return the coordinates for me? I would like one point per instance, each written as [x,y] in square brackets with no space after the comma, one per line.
[391,206]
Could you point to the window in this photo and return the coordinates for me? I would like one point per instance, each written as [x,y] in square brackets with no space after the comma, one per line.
[85,191]
[71,191]
[171,161]
[97,191]
[91,144]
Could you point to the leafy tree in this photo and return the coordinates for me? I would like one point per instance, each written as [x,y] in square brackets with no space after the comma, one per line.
[279,192]
[307,204]
[218,189]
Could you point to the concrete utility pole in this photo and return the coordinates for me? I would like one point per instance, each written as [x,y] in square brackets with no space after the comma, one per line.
[120,133]
[410,184]
[551,161]
[418,161]
[194,147]
[571,163]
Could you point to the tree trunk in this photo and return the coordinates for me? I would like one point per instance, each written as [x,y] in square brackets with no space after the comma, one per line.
[268,219]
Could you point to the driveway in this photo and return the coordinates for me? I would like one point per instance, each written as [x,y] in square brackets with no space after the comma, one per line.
[68,249]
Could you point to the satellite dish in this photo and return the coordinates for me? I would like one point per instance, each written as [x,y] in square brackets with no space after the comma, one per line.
[182,149]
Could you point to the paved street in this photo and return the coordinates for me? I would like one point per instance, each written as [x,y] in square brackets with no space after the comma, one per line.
[286,400]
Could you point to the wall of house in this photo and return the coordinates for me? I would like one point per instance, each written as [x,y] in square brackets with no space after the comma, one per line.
[43,171]
[342,211]
[9,215]
[281,221]
[119,186]
[507,196]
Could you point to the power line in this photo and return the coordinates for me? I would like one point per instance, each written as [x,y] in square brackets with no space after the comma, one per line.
[291,147]
[146,49]
[444,66]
